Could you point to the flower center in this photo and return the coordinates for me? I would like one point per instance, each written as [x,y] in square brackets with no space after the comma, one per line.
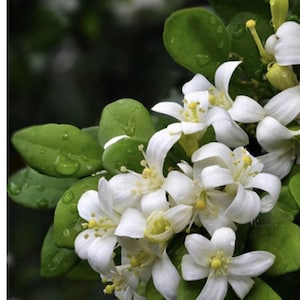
[158,228]
[192,111]
[219,263]
[219,99]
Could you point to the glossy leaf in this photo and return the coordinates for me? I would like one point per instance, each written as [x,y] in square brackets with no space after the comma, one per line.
[67,223]
[82,271]
[32,189]
[58,150]
[228,8]
[125,117]
[294,186]
[152,293]
[189,289]
[283,241]
[186,35]
[55,261]
[123,153]
[261,290]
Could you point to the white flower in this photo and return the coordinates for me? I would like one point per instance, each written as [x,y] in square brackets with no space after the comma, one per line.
[284,45]
[214,259]
[129,188]
[218,93]
[208,204]
[97,242]
[279,112]
[240,173]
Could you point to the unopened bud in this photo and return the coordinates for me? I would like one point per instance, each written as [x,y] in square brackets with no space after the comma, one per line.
[279,12]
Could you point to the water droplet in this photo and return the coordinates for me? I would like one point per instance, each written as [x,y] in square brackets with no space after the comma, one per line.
[68,197]
[219,29]
[66,233]
[14,189]
[239,31]
[203,59]
[212,20]
[42,203]
[42,151]
[220,45]
[65,136]
[66,166]
[172,41]
[54,263]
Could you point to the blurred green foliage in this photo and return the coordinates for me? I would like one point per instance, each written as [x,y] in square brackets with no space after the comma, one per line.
[67,59]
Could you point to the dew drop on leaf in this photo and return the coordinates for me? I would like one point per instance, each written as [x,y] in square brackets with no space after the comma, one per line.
[65,136]
[203,59]
[73,208]
[65,166]
[219,29]
[14,189]
[68,197]
[42,203]
[239,31]
[66,233]
[220,45]
[212,20]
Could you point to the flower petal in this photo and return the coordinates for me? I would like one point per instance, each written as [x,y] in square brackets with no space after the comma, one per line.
[280,138]
[223,75]
[88,204]
[192,271]
[212,224]
[287,48]
[180,187]
[132,224]
[172,109]
[105,197]
[82,243]
[159,145]
[200,248]
[152,201]
[246,110]
[179,216]
[285,106]
[241,285]
[279,162]
[269,183]
[165,277]
[191,127]
[251,264]
[197,83]
[215,176]
[215,288]
[101,252]
[245,207]
[224,239]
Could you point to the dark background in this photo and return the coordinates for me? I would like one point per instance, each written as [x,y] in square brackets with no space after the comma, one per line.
[67,59]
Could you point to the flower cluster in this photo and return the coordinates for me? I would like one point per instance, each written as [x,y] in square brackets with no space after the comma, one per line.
[177,217]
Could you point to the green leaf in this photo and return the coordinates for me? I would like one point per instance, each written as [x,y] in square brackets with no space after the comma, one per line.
[189,289]
[294,186]
[58,150]
[123,153]
[67,223]
[32,189]
[228,8]
[282,240]
[125,117]
[261,290]
[197,40]
[82,271]
[243,45]
[55,261]
[92,132]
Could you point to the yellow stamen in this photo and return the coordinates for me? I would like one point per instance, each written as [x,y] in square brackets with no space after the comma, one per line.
[247,160]
[147,172]
[216,263]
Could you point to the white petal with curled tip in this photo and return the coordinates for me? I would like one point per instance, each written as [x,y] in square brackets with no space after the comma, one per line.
[279,162]
[287,48]
[215,176]
[101,252]
[132,224]
[88,204]
[285,106]
[223,75]
[105,197]
[268,183]
[224,239]
[179,217]
[241,285]
[247,110]
[215,288]
[165,277]
[200,248]
[169,108]
[180,187]
[251,264]
[192,271]
[152,201]
[159,145]
[197,83]
[245,207]
[281,137]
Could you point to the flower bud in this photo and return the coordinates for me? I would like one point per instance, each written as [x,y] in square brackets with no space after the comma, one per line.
[281,77]
[279,12]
